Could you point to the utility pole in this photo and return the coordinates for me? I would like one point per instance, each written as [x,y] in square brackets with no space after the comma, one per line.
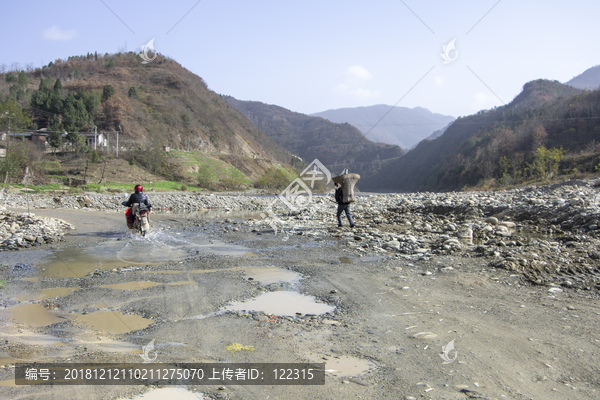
[95,136]
[117,144]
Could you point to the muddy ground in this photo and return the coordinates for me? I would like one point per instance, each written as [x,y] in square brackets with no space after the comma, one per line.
[382,338]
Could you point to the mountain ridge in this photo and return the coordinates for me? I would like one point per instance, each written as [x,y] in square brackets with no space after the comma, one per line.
[588,79]
[337,146]
[401,126]
[471,148]
[158,105]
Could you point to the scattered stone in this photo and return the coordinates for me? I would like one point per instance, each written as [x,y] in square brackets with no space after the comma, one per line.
[492,220]
[424,336]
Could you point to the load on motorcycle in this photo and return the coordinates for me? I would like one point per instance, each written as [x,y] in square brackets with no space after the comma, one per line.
[138,213]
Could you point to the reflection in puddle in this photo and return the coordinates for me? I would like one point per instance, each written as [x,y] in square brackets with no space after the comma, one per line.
[348,366]
[114,322]
[171,393]
[132,285]
[33,315]
[282,303]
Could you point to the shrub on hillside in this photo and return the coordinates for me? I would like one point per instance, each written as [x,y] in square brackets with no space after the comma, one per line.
[274,178]
[205,177]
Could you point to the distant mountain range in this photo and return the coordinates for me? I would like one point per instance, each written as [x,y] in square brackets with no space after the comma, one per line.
[589,79]
[502,144]
[337,146]
[402,126]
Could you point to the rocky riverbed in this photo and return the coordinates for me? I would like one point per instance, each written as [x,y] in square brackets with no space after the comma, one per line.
[24,230]
[550,234]
[509,278]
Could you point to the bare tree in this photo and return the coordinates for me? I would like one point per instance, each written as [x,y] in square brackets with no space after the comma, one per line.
[2,68]
[539,136]
[15,67]
[487,168]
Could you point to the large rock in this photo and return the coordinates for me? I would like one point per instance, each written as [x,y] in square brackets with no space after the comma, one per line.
[465,233]
[492,220]
[393,244]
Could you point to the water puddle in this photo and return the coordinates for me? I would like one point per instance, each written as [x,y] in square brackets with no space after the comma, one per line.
[65,346]
[5,359]
[348,366]
[132,285]
[58,292]
[114,322]
[15,335]
[181,283]
[282,303]
[110,346]
[33,315]
[269,275]
[265,275]
[158,247]
[32,279]
[354,260]
[170,393]
[78,262]
[224,249]
[168,272]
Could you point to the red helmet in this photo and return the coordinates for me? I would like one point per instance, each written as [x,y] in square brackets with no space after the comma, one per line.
[138,188]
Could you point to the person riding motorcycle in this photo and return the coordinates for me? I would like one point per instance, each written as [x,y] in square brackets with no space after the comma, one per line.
[138,197]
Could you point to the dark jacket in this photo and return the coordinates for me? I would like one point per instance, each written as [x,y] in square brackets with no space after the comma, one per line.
[339,196]
[138,197]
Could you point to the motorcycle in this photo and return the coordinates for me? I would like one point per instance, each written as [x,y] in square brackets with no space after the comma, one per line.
[138,218]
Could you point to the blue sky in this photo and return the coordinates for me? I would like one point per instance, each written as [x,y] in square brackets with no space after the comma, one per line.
[311,56]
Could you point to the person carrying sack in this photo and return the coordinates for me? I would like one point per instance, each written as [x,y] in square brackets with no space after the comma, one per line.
[342,207]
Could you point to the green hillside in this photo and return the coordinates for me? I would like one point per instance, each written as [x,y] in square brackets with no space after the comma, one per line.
[548,129]
[154,107]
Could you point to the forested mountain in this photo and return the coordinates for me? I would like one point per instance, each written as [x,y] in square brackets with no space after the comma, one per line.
[589,79]
[402,126]
[337,146]
[536,135]
[152,105]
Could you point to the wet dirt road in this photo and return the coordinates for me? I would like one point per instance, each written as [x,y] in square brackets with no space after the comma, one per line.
[204,293]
